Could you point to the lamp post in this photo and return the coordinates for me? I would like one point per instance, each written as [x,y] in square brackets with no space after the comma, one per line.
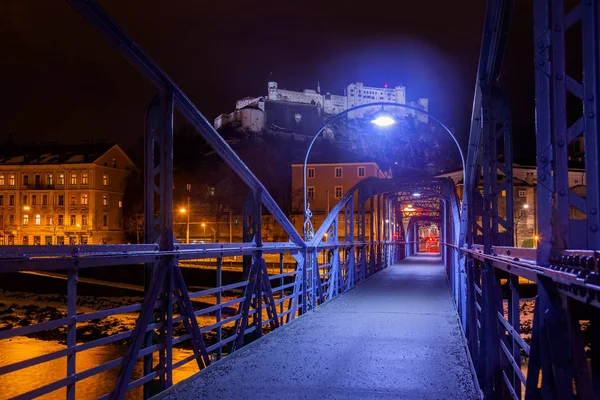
[204,228]
[382,119]
[187,230]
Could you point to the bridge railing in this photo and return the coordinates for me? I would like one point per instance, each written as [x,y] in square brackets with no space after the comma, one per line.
[225,313]
[510,343]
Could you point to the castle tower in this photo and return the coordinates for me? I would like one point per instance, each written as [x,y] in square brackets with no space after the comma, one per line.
[272,90]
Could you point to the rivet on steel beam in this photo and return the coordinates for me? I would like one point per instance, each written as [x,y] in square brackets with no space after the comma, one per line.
[540,45]
[591,97]
[562,192]
[591,114]
[594,228]
[594,211]
[560,143]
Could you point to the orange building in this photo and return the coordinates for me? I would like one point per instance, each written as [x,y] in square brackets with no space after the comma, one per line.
[63,195]
[326,184]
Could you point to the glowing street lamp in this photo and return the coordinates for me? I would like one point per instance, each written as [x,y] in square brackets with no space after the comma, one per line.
[416,194]
[182,210]
[26,208]
[383,120]
[525,206]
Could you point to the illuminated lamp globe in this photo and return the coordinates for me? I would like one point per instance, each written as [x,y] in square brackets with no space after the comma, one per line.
[383,119]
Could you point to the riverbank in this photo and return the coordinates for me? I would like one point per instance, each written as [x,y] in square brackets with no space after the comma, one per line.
[18,309]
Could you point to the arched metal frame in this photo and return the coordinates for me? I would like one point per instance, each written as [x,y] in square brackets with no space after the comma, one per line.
[307,227]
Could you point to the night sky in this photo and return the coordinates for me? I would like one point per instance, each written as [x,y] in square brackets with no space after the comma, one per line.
[61,81]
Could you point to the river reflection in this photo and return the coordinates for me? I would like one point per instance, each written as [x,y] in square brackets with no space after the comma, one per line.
[21,381]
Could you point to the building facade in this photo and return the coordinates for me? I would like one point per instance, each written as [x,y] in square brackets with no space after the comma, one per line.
[252,113]
[326,184]
[524,200]
[66,195]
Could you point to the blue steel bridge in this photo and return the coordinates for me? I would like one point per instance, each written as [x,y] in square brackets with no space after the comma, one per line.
[362,316]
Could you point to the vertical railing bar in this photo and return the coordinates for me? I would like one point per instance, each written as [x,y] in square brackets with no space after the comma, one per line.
[281,282]
[72,330]
[169,316]
[218,314]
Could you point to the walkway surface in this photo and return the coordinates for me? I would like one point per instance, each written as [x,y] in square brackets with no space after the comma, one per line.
[396,336]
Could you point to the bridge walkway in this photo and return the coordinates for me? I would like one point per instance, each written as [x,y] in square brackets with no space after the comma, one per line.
[396,336]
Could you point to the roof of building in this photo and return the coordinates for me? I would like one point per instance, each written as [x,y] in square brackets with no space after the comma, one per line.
[52,153]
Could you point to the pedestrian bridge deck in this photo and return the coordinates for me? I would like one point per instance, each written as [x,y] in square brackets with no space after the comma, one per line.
[396,336]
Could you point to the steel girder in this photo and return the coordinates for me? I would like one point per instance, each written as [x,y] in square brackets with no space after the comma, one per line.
[112,32]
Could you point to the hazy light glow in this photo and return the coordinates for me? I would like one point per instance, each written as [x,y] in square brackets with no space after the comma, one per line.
[525,205]
[383,120]
[182,210]
[416,194]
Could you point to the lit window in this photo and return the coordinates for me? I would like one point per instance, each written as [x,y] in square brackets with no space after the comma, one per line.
[311,172]
[38,219]
[25,240]
[73,200]
[61,220]
[61,200]
[522,193]
[84,199]
[61,179]
[339,192]
[84,220]
[120,204]
[25,219]
[48,219]
[503,193]
[49,179]
[105,180]
[311,192]
[1,180]
[73,219]
[338,172]
[11,180]
[84,179]
[11,200]
[361,172]
[105,200]
[211,191]
[105,220]
[73,179]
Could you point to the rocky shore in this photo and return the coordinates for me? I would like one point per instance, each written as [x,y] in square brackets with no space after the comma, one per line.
[19,309]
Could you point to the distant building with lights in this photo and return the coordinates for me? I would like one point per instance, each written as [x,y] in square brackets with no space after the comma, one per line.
[304,112]
[326,184]
[56,194]
[524,188]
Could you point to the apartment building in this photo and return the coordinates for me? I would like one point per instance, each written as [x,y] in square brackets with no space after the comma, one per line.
[54,195]
[326,184]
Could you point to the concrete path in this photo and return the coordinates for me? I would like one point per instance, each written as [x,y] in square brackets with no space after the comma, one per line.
[396,336]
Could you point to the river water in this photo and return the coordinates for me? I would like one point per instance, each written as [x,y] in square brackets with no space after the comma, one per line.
[24,380]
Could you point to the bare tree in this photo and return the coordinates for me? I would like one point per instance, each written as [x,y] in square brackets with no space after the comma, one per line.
[520,218]
[53,223]
[6,229]
[134,225]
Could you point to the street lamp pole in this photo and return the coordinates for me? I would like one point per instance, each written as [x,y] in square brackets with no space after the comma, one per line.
[187,229]
[381,121]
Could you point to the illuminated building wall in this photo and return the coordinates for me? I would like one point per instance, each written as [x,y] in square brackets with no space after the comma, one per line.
[65,196]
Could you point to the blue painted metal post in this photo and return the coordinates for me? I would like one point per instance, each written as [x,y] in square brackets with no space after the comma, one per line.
[543,129]
[73,277]
[591,111]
